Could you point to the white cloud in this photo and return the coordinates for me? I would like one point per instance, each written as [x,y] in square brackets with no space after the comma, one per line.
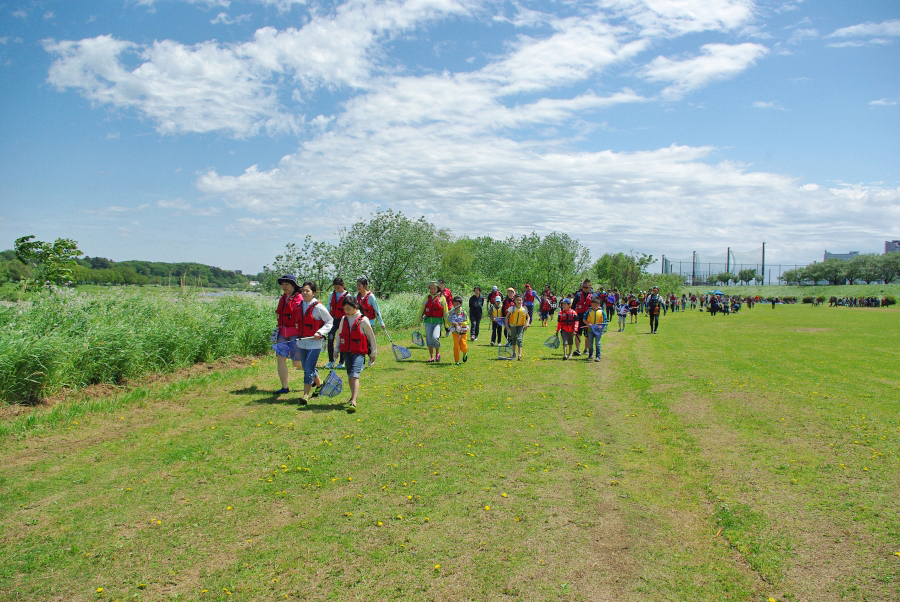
[718,62]
[885,28]
[884,102]
[678,17]
[760,104]
[20,14]
[234,88]
[184,207]
[224,19]
[798,36]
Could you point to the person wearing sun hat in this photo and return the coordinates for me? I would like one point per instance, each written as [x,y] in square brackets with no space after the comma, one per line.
[288,312]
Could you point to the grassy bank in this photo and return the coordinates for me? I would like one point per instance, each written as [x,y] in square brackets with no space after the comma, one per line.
[840,290]
[741,457]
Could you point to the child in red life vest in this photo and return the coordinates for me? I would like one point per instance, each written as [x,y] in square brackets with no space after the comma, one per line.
[566,326]
[336,308]
[357,340]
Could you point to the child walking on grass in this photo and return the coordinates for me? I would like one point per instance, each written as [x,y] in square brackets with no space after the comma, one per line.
[566,325]
[357,340]
[459,328]
[623,315]
[593,318]
[517,320]
[497,320]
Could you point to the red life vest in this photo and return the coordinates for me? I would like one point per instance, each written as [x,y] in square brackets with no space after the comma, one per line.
[583,303]
[288,312]
[507,303]
[309,324]
[545,304]
[364,306]
[529,296]
[449,297]
[353,339]
[567,319]
[336,305]
[433,307]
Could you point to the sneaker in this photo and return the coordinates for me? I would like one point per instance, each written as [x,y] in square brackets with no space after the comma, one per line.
[339,366]
[466,356]
[565,357]
[351,408]
[576,353]
[597,359]
[457,363]
[492,343]
[329,365]
[317,390]
[303,401]
[282,391]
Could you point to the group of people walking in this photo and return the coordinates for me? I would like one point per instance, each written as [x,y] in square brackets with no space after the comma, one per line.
[345,323]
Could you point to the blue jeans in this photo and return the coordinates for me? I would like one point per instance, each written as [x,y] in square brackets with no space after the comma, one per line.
[433,334]
[308,357]
[593,343]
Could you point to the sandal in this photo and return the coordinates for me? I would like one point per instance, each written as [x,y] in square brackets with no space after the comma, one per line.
[351,408]
[430,360]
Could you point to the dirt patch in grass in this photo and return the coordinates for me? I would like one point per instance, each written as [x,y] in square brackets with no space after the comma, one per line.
[813,329]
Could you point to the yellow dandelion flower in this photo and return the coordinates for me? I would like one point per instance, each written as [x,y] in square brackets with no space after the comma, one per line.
[99,590]
[487,507]
[437,567]
[503,495]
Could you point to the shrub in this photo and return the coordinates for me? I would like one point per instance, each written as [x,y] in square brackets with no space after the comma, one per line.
[821,299]
[889,300]
[808,299]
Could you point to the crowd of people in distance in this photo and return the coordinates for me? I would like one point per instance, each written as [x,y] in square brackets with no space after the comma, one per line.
[344,325]
[857,302]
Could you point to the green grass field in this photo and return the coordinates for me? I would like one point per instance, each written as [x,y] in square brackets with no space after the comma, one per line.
[742,457]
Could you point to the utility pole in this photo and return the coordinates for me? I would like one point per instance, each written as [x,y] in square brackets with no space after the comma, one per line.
[764,260]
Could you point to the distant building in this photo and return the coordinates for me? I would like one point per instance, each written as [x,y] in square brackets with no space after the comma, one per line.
[842,256]
[892,246]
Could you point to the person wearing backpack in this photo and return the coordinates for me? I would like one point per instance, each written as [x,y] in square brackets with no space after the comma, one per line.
[654,306]
[357,340]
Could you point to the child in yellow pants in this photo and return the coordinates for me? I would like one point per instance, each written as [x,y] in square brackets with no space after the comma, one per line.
[459,327]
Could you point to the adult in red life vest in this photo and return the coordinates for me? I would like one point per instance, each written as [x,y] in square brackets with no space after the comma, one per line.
[581,304]
[493,296]
[288,313]
[434,313]
[315,324]
[336,309]
[357,340]
[367,303]
[528,299]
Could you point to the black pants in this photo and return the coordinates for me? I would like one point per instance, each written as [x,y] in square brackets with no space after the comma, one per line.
[475,326]
[654,321]
[331,336]
[496,332]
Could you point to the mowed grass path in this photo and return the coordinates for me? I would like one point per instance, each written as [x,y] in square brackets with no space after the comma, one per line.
[742,457]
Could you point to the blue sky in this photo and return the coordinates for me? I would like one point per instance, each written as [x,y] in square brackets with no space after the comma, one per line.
[218,131]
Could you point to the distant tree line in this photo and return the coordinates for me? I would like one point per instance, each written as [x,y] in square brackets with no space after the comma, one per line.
[398,254]
[38,263]
[868,268]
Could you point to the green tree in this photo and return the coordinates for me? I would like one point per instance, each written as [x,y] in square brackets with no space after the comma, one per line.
[889,267]
[53,263]
[725,277]
[864,267]
[833,271]
[314,261]
[792,276]
[558,260]
[621,271]
[394,252]
[746,275]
